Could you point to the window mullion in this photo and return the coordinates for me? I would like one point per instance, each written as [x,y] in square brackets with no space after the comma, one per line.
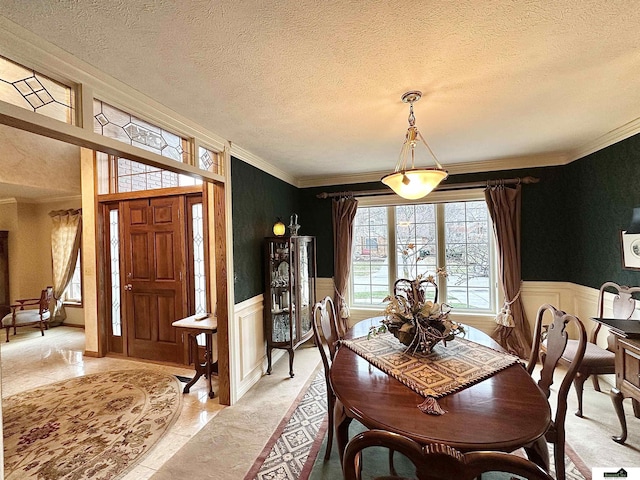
[441,244]
[391,234]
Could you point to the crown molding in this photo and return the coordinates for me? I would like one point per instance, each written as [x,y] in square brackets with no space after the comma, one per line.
[8,201]
[510,163]
[258,162]
[614,136]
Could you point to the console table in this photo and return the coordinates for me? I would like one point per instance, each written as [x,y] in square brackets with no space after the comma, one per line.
[195,325]
[627,380]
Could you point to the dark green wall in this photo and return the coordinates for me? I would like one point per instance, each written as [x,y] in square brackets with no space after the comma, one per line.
[604,187]
[571,220]
[257,200]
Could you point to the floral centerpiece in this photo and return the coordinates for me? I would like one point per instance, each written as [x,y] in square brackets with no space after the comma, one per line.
[416,322]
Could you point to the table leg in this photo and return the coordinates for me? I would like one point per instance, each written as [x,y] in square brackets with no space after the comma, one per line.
[193,346]
[538,453]
[208,355]
[617,398]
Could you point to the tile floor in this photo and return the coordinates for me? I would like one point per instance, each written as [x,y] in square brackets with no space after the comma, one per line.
[30,360]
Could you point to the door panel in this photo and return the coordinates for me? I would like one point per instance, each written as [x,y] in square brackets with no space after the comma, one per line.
[154,265]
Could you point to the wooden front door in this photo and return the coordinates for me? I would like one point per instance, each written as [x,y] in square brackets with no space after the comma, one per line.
[154,268]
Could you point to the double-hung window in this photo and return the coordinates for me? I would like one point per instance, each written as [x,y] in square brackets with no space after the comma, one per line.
[406,240]
[73,293]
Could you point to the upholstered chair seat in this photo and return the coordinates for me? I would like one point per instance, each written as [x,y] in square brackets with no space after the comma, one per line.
[594,356]
[24,317]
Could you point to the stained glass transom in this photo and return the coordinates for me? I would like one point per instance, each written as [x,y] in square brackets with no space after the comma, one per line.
[124,127]
[210,161]
[114,246]
[33,91]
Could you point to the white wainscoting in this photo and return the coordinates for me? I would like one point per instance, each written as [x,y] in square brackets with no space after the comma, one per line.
[252,348]
[575,299]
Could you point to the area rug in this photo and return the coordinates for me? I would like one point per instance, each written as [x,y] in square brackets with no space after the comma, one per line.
[96,426]
[291,450]
[296,449]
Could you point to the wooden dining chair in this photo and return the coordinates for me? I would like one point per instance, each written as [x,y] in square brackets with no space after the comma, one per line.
[325,332]
[557,338]
[436,461]
[598,360]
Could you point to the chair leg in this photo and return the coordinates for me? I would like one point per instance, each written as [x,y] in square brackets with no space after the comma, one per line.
[578,383]
[558,457]
[330,407]
[596,383]
[8,328]
[41,329]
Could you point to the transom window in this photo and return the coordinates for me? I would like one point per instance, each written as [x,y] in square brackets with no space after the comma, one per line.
[33,91]
[127,128]
[119,175]
[403,241]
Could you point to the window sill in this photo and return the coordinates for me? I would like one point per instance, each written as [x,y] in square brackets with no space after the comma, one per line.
[72,304]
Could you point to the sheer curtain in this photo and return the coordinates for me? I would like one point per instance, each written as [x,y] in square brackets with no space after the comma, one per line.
[65,245]
[343,211]
[513,331]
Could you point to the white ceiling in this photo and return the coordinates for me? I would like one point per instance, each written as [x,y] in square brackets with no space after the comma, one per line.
[313,87]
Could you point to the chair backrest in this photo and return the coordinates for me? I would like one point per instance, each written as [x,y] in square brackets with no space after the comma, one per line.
[46,296]
[405,288]
[325,331]
[623,304]
[556,342]
[437,461]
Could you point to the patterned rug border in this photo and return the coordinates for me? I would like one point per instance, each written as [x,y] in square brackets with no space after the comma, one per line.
[577,460]
[170,424]
[257,464]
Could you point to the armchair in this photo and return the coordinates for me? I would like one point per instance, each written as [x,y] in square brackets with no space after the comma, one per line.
[29,311]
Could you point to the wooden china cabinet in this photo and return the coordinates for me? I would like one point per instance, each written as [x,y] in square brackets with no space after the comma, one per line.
[290,293]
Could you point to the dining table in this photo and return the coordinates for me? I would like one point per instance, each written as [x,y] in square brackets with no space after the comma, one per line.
[503,412]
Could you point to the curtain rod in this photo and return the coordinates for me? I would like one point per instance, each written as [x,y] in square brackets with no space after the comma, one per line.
[439,188]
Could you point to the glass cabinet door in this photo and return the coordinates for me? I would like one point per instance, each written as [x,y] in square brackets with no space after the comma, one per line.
[306,279]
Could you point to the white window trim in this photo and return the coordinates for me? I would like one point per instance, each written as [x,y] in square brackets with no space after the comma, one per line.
[470,318]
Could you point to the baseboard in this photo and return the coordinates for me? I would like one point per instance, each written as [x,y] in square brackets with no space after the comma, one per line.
[89,353]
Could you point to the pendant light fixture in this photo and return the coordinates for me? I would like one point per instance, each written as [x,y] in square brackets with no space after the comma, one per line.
[406,180]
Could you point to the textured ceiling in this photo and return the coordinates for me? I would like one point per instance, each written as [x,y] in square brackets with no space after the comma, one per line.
[313,87]
[35,167]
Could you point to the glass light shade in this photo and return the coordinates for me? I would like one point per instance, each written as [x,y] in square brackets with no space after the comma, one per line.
[279,229]
[415,183]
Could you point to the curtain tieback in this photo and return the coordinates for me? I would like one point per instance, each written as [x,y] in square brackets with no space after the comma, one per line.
[343,307]
[504,316]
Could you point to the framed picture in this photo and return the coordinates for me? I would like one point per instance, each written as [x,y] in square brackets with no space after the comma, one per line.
[630,250]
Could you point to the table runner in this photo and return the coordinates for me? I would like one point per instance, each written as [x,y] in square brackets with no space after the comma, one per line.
[445,370]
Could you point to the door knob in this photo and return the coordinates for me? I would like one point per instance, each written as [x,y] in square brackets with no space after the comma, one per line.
[128,286]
